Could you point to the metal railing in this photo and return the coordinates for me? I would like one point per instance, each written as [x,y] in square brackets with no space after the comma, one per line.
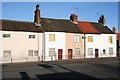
[50,58]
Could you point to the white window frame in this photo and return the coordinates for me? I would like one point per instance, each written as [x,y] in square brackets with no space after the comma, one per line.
[111,50]
[6,54]
[51,51]
[51,37]
[77,38]
[90,53]
[77,52]
[6,36]
[32,53]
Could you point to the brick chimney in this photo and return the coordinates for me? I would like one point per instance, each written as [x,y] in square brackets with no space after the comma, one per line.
[102,20]
[37,19]
[114,29]
[74,18]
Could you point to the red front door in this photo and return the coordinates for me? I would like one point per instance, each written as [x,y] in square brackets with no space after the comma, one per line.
[59,54]
[69,53]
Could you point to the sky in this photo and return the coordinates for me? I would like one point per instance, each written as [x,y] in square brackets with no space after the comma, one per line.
[87,11]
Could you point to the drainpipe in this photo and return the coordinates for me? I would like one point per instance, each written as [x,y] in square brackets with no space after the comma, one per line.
[38,45]
[84,45]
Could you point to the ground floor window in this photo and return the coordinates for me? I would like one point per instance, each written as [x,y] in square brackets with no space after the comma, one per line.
[110,50]
[51,51]
[7,54]
[104,51]
[90,51]
[77,51]
[32,52]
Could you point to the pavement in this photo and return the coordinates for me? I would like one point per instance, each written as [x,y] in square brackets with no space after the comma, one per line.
[83,69]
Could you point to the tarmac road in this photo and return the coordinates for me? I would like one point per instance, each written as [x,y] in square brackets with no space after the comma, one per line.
[83,69]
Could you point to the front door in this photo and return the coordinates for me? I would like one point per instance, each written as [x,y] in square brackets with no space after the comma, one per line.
[59,54]
[96,53]
[69,53]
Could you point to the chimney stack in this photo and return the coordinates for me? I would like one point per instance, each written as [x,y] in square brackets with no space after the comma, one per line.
[74,18]
[37,19]
[102,20]
[114,29]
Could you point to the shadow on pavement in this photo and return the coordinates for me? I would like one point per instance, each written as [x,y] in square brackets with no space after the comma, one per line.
[64,75]
[24,76]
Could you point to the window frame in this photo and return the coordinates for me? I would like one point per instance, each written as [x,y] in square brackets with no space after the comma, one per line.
[8,56]
[91,52]
[32,36]
[77,38]
[111,50]
[6,37]
[77,52]
[90,39]
[51,37]
[110,39]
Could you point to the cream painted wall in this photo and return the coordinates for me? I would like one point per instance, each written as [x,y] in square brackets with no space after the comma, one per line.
[101,41]
[59,43]
[71,44]
[19,43]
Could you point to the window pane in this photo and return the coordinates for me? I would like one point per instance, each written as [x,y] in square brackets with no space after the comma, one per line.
[110,39]
[30,53]
[110,50]
[77,38]
[6,53]
[31,36]
[35,52]
[90,39]
[77,51]
[6,35]
[51,37]
[90,51]
[51,51]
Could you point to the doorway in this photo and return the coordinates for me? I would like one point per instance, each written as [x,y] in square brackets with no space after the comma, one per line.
[60,54]
[70,53]
[96,53]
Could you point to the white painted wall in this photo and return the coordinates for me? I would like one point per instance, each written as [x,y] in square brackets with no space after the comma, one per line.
[58,44]
[19,44]
[101,41]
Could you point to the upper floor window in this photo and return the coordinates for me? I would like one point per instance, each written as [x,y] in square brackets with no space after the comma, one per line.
[6,35]
[51,37]
[110,39]
[90,39]
[77,38]
[31,36]
[7,54]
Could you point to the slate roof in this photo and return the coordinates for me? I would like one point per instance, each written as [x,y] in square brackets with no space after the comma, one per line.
[59,25]
[93,28]
[11,25]
[51,25]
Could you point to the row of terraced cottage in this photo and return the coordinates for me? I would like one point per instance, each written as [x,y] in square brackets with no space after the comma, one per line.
[48,39]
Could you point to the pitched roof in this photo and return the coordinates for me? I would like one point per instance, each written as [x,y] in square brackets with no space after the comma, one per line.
[59,25]
[93,28]
[87,27]
[51,25]
[11,25]
[102,29]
